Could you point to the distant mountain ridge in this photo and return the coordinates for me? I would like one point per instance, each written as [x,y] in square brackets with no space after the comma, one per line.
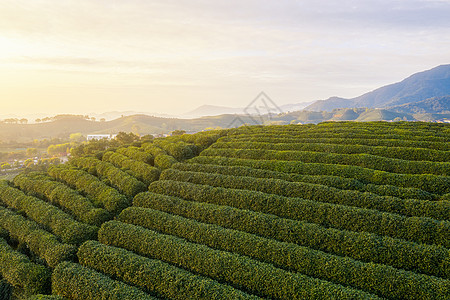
[440,105]
[415,88]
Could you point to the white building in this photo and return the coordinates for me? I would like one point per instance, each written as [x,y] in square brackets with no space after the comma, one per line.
[100,136]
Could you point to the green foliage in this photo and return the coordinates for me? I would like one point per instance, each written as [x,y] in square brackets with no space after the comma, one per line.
[363,246]
[125,183]
[152,149]
[178,149]
[20,272]
[178,132]
[153,275]
[63,196]
[57,149]
[366,130]
[267,138]
[164,161]
[363,160]
[92,147]
[100,192]
[405,153]
[46,297]
[5,289]
[427,182]
[77,282]
[342,183]
[138,169]
[422,230]
[258,277]
[379,279]
[77,137]
[136,154]
[126,138]
[439,210]
[60,223]
[40,242]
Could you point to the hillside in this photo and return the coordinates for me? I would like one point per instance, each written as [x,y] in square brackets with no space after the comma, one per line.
[143,124]
[440,105]
[417,87]
[338,210]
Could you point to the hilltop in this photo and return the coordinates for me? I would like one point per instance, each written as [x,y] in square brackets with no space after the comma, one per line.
[417,87]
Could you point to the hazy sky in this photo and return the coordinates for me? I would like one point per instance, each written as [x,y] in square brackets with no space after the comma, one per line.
[75,56]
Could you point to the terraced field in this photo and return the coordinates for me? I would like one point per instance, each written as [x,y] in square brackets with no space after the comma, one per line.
[328,211]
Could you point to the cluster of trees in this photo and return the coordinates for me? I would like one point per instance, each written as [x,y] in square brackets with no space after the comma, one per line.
[65,116]
[14,121]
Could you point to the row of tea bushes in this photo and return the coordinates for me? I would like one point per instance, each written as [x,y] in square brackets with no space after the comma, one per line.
[97,190]
[240,271]
[392,165]
[401,254]
[48,215]
[439,210]
[40,242]
[431,183]
[153,276]
[138,169]
[382,280]
[136,154]
[79,283]
[275,139]
[124,182]
[20,272]
[63,196]
[405,153]
[422,230]
[338,182]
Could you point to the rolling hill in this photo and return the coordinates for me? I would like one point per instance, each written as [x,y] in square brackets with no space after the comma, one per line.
[417,87]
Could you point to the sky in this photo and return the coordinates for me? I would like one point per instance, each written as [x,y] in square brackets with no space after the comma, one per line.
[78,56]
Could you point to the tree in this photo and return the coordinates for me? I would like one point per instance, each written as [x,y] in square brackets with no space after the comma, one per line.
[57,149]
[102,120]
[23,121]
[93,119]
[77,137]
[126,138]
[38,120]
[11,120]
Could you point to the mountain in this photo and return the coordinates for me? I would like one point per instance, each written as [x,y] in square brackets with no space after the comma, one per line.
[439,105]
[212,110]
[417,87]
[215,110]
[295,106]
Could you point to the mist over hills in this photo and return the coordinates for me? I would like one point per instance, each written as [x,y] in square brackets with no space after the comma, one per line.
[415,88]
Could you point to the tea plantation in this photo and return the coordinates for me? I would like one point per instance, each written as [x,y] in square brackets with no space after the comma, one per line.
[338,210]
